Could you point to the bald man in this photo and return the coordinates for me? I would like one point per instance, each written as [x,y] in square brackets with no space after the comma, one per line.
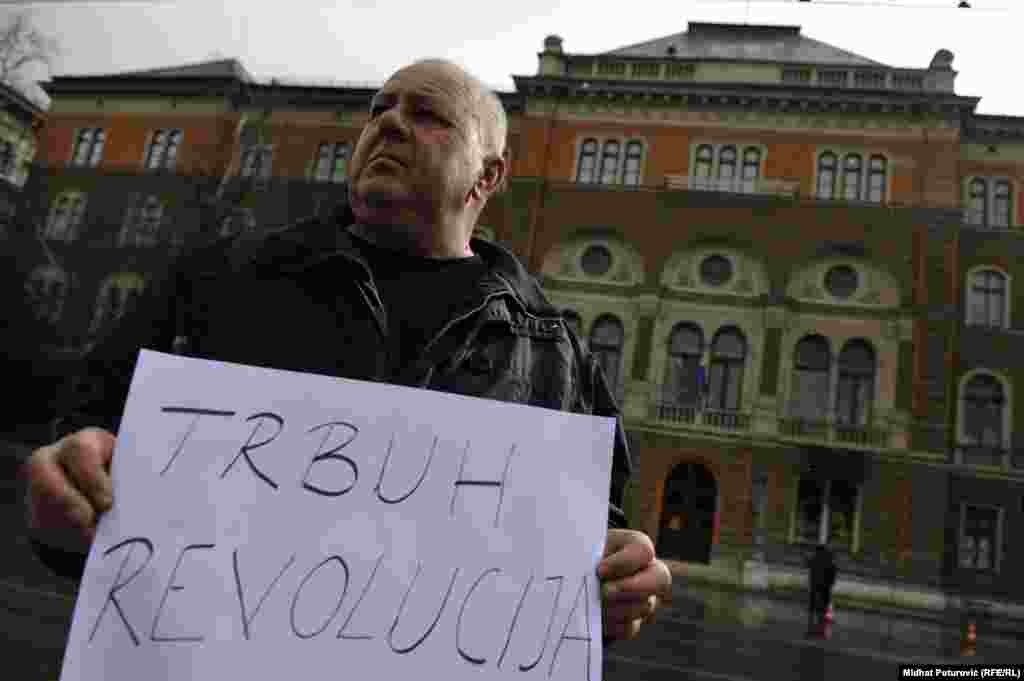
[390,288]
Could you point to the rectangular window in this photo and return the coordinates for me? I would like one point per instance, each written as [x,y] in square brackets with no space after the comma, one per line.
[832,78]
[647,70]
[256,161]
[331,162]
[88,147]
[908,81]
[796,76]
[980,534]
[680,71]
[869,79]
[611,68]
[162,153]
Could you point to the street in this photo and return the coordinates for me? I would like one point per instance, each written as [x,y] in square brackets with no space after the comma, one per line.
[706,633]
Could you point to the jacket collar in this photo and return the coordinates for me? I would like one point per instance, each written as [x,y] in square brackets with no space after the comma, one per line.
[316,241]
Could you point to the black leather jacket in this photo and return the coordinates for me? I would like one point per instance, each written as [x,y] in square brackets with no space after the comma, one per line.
[302,299]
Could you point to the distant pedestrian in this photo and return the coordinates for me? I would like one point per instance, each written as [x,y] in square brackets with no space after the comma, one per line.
[822,579]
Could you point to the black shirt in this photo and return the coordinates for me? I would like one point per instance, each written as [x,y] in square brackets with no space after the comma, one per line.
[419,293]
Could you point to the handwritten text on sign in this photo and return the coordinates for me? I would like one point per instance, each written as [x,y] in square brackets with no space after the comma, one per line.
[278,525]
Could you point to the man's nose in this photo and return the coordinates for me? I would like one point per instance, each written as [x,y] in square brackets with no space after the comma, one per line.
[392,123]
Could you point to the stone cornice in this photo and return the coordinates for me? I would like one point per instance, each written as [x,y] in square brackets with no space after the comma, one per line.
[747,96]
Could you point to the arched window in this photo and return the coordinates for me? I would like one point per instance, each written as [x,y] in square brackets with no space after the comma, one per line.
[977,211]
[143,221]
[986,299]
[751,164]
[705,159]
[586,169]
[1002,204]
[877,179]
[855,392]
[606,337]
[852,170]
[810,390]
[88,149]
[728,356]
[634,158]
[47,288]
[115,297]
[827,175]
[684,380]
[610,162]
[982,431]
[163,149]
[65,217]
[727,163]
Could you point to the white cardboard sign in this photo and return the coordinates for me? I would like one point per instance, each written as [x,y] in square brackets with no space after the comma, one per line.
[274,525]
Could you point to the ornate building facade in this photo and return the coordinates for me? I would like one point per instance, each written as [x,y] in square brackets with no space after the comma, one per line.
[796,266]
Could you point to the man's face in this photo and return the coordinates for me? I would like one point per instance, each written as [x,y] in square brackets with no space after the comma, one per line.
[420,153]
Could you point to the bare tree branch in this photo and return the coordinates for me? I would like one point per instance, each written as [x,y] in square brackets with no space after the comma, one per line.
[23,45]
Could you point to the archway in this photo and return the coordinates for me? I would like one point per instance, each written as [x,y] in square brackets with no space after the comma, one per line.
[689,514]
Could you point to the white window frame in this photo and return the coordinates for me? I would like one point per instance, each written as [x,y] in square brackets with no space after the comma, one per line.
[838,186]
[624,141]
[1007,435]
[990,201]
[315,174]
[736,183]
[164,165]
[92,160]
[969,288]
[997,550]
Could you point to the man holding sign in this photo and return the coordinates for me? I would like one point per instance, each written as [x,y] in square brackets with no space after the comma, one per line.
[390,289]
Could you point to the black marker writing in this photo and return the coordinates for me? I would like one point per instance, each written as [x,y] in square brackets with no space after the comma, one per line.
[248,446]
[384,468]
[401,609]
[332,454]
[118,584]
[341,598]
[462,610]
[551,620]
[585,593]
[247,618]
[171,586]
[191,428]
[515,618]
[351,614]
[500,484]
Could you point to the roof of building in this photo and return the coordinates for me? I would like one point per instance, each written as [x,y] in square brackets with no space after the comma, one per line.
[218,68]
[744,42]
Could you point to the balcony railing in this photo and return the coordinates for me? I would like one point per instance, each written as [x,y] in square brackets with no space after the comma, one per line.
[694,415]
[987,455]
[756,186]
[828,431]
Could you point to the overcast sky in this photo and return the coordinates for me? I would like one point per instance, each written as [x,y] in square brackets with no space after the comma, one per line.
[365,40]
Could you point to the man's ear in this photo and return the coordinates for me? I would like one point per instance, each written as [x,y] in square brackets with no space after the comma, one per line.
[492,179]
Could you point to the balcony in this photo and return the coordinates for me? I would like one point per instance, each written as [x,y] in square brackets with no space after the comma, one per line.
[992,456]
[844,434]
[759,186]
[697,417]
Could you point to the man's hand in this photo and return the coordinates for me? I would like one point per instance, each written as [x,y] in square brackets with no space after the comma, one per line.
[633,583]
[69,485]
